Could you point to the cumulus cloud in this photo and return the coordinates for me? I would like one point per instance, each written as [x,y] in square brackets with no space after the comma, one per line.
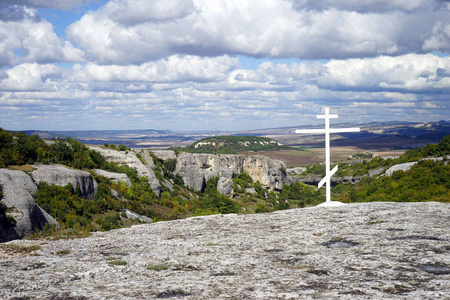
[408,72]
[367,6]
[135,31]
[26,37]
[172,69]
[440,38]
[31,77]
[65,4]
[138,11]
[177,64]
[218,93]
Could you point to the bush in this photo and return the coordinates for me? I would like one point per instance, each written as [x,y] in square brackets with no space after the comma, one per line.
[261,208]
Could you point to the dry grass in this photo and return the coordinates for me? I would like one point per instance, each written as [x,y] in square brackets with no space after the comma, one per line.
[295,158]
[23,168]
[9,251]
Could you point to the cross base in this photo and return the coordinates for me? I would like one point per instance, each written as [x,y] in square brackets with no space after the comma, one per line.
[331,204]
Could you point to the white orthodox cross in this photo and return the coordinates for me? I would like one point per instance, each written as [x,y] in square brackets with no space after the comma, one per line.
[327,132]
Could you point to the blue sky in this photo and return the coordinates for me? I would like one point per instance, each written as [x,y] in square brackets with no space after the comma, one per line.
[221,64]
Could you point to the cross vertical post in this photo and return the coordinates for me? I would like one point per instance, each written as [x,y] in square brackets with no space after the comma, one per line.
[327,131]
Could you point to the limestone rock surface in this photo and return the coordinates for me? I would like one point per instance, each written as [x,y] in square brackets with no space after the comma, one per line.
[315,179]
[60,175]
[296,170]
[225,186]
[357,251]
[402,167]
[115,177]
[165,154]
[130,159]
[18,192]
[196,169]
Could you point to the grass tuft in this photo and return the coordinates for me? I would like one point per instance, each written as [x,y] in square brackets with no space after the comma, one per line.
[157,267]
[14,248]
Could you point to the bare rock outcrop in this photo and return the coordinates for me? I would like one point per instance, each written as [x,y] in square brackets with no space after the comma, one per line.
[296,170]
[20,215]
[407,166]
[60,175]
[197,169]
[225,186]
[130,159]
[315,179]
[403,167]
[357,251]
[115,177]
[165,154]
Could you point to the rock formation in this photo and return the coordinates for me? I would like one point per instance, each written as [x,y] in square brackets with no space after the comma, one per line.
[21,216]
[225,186]
[115,177]
[165,154]
[296,170]
[402,167]
[357,251]
[313,179]
[130,159]
[60,175]
[197,169]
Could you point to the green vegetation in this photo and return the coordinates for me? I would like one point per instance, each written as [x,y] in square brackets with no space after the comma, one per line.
[233,145]
[157,267]
[363,168]
[116,262]
[428,180]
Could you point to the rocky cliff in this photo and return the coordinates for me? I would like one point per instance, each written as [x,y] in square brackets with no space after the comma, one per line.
[20,215]
[197,169]
[115,177]
[130,159]
[60,175]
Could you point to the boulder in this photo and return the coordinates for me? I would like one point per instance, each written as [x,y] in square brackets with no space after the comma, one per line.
[115,177]
[20,215]
[132,215]
[225,186]
[250,191]
[60,175]
[168,185]
[402,167]
[196,169]
[129,158]
[296,170]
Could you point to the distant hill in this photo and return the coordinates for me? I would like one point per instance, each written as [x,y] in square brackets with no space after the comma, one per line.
[418,134]
[233,145]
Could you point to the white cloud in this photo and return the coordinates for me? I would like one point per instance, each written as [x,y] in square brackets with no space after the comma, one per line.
[61,4]
[136,31]
[25,37]
[440,39]
[366,5]
[172,69]
[31,77]
[407,72]
[194,91]
[139,11]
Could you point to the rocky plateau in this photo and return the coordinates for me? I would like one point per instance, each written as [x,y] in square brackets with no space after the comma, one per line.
[357,251]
